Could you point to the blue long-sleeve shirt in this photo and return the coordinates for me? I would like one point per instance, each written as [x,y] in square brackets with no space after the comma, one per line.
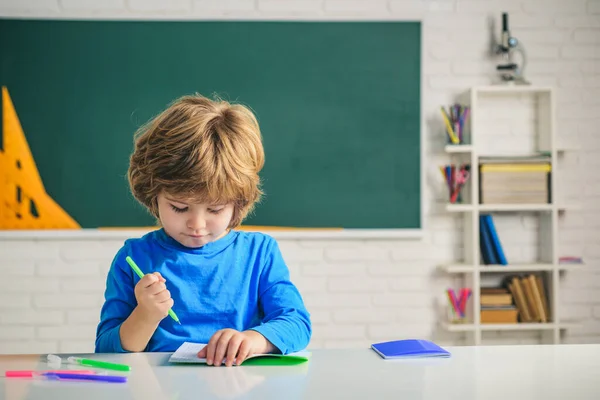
[239,281]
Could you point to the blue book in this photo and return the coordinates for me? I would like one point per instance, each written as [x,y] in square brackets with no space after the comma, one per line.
[491,228]
[487,247]
[482,246]
[409,348]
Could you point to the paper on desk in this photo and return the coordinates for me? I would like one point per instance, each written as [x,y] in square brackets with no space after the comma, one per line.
[188,353]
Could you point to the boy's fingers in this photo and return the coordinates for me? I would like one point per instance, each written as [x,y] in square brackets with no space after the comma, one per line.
[148,280]
[156,288]
[162,296]
[211,346]
[160,277]
[243,352]
[168,302]
[232,349]
[222,345]
[202,353]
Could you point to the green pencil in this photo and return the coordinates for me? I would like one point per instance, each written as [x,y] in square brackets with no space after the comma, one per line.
[139,273]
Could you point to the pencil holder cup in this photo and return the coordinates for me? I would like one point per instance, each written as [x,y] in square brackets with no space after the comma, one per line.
[453,318]
[457,182]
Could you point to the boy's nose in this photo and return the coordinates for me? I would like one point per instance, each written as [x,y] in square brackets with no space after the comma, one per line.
[196,223]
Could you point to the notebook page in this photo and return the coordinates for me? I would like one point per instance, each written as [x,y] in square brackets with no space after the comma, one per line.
[188,353]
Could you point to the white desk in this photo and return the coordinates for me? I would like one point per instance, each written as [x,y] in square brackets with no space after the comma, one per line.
[499,372]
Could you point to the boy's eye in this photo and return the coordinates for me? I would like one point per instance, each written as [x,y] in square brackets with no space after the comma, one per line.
[178,210]
[215,211]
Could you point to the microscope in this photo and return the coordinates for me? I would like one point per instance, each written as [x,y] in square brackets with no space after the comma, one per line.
[509,70]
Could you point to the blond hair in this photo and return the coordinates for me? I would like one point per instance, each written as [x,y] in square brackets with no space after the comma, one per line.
[208,151]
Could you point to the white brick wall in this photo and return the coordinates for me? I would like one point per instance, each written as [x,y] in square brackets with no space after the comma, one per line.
[359,291]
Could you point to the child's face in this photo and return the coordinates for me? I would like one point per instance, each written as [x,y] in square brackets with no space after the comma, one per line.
[192,224]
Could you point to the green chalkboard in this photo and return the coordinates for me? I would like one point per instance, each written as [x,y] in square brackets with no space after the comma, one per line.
[338,104]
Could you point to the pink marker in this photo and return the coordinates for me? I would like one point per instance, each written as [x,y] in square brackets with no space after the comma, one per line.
[30,373]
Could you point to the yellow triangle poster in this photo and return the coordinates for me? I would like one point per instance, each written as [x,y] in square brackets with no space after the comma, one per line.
[24,202]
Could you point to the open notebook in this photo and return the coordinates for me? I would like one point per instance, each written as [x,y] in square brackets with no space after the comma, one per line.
[187,353]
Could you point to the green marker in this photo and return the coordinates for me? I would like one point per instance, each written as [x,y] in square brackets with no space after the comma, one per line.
[98,364]
[139,273]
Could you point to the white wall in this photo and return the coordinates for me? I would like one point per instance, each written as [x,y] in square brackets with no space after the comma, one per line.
[358,291]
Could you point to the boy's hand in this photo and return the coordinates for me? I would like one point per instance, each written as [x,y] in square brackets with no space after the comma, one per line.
[234,347]
[154,300]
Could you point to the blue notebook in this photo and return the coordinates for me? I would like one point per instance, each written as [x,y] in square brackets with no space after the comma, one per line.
[409,348]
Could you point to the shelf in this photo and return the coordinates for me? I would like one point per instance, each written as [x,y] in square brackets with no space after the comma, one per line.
[508,207]
[459,207]
[467,148]
[498,207]
[515,207]
[528,267]
[458,268]
[516,268]
[512,89]
[459,327]
[470,268]
[506,327]
[458,148]
[518,327]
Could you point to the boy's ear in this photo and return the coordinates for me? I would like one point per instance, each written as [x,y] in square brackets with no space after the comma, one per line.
[236,217]
[153,207]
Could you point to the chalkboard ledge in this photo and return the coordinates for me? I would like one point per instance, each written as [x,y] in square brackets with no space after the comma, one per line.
[300,234]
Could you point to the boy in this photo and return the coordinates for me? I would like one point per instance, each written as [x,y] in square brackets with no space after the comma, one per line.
[195,168]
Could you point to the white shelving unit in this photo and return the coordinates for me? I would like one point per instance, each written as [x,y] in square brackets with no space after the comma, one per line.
[504,121]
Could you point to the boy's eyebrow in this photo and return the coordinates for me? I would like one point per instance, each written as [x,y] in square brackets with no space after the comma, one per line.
[186,203]
[175,200]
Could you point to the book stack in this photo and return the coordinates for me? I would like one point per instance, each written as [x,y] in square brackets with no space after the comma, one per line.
[497,306]
[515,180]
[530,298]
